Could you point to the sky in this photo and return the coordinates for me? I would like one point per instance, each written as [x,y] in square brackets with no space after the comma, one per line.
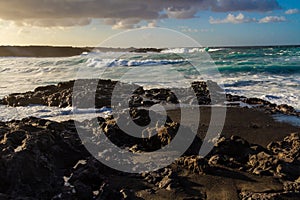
[209,22]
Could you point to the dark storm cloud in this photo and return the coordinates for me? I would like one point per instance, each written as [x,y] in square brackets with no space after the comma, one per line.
[245,5]
[119,13]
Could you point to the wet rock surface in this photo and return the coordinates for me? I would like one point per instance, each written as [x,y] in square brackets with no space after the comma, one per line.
[101,90]
[41,159]
[98,93]
[261,104]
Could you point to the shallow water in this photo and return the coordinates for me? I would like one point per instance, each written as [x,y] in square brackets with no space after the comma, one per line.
[52,113]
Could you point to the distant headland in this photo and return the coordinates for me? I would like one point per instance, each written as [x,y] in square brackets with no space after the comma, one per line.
[62,51]
[67,51]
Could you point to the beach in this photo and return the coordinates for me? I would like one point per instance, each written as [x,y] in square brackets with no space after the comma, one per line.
[254,157]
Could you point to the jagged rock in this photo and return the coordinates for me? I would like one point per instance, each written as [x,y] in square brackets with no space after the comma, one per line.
[32,162]
[263,164]
[135,101]
[232,152]
[281,160]
[232,98]
[195,164]
[287,150]
[217,160]
[145,50]
[293,186]
[156,176]
[88,180]
[162,179]
[283,108]
[165,182]
[61,95]
[256,101]
[269,195]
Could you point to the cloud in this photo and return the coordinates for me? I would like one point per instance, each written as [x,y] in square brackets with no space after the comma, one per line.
[123,13]
[195,30]
[245,5]
[122,23]
[151,24]
[240,18]
[190,30]
[180,13]
[272,19]
[292,11]
[66,22]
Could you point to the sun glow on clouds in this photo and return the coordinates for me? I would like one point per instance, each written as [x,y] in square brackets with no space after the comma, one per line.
[92,35]
[240,18]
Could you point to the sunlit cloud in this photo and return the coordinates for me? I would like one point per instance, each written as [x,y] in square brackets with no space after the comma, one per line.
[238,19]
[292,11]
[272,19]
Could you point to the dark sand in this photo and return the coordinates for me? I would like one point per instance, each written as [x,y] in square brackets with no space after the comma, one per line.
[255,126]
[252,125]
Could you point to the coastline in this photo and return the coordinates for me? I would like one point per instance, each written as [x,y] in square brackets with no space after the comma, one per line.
[63,51]
[255,157]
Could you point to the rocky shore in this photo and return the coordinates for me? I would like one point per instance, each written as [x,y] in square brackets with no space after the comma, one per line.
[42,159]
[255,157]
[61,95]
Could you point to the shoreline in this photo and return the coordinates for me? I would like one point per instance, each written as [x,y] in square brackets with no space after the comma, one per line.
[255,156]
[60,95]
[246,117]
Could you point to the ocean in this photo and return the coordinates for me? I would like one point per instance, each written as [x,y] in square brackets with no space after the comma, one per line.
[270,73]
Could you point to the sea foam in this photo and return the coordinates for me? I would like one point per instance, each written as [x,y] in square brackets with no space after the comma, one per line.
[269,73]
